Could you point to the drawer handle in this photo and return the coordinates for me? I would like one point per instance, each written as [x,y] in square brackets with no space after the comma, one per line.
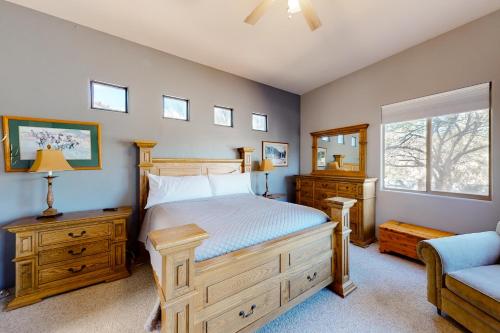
[311,279]
[72,270]
[77,254]
[72,235]
[246,315]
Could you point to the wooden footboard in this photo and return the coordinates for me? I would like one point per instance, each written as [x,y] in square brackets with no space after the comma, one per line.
[243,290]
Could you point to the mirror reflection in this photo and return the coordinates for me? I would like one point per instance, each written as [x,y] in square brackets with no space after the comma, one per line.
[339,152]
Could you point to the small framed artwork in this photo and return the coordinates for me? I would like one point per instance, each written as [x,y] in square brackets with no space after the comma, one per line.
[79,141]
[275,151]
[321,161]
[340,139]
[223,116]
[108,97]
[175,108]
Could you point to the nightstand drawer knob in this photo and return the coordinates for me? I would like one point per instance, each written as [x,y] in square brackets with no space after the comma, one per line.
[72,270]
[78,253]
[72,235]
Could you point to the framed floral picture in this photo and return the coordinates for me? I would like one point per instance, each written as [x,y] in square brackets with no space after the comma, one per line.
[275,151]
[79,141]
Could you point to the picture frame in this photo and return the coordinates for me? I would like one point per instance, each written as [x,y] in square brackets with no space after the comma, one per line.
[321,158]
[275,151]
[23,136]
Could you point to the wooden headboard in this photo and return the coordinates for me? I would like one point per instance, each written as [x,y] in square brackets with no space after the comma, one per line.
[184,167]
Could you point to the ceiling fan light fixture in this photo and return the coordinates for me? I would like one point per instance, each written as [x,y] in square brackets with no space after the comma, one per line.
[294,7]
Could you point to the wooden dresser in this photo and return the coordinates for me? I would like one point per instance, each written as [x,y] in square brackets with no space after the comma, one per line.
[312,190]
[54,255]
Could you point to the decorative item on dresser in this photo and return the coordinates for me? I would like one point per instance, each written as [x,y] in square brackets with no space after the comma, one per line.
[67,252]
[402,238]
[347,179]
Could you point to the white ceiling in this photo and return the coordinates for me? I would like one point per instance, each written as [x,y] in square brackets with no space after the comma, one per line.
[278,51]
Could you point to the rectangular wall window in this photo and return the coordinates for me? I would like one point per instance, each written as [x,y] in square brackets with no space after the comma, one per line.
[109,97]
[223,116]
[175,108]
[259,122]
[439,144]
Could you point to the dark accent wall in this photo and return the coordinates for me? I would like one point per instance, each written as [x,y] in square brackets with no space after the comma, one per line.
[45,67]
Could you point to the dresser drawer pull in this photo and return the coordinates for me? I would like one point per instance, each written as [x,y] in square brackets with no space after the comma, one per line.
[246,315]
[311,279]
[77,254]
[72,235]
[72,270]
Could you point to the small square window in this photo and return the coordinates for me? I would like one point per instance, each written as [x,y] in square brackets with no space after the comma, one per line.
[175,108]
[223,116]
[340,139]
[108,97]
[259,122]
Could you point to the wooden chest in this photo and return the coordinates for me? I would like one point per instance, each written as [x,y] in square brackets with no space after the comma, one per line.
[55,255]
[313,190]
[402,238]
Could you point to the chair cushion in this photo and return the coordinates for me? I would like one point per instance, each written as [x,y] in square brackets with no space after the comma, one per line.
[478,286]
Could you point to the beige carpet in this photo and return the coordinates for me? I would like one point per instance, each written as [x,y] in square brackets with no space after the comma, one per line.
[390,298]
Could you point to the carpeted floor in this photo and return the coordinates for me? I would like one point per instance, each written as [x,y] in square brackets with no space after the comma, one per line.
[390,298]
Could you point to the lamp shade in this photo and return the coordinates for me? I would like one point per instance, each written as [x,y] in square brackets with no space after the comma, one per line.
[48,160]
[266,165]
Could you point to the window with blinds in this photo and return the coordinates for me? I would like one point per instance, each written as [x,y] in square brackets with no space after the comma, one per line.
[439,144]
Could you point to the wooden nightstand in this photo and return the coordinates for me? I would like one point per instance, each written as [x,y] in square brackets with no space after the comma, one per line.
[54,255]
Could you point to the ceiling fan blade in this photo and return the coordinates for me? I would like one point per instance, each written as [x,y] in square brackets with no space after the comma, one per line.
[310,14]
[258,12]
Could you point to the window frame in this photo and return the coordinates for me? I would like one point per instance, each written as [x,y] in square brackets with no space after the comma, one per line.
[428,166]
[267,122]
[91,87]
[225,108]
[188,109]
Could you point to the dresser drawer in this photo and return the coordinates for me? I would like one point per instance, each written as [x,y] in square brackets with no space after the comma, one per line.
[243,315]
[326,186]
[306,184]
[72,252]
[306,202]
[324,194]
[309,278]
[347,188]
[74,234]
[307,193]
[75,268]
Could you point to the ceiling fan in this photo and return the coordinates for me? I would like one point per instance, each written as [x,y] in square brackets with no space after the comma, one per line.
[294,7]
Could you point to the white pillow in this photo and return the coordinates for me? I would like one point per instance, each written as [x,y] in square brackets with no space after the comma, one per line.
[168,189]
[230,183]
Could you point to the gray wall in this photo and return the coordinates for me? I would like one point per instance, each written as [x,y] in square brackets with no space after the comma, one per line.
[46,64]
[466,56]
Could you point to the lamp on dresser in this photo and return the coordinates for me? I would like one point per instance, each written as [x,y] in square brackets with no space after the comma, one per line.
[50,160]
[267,166]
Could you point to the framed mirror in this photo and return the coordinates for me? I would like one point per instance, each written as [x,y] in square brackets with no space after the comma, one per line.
[340,151]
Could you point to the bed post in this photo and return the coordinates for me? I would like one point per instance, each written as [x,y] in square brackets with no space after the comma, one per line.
[246,155]
[177,283]
[145,163]
[342,283]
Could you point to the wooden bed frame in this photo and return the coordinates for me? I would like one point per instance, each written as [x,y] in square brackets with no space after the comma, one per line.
[242,290]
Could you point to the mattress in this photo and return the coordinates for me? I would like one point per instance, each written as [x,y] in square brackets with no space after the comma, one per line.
[233,222]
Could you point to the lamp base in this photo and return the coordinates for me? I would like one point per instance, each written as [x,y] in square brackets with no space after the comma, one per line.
[48,213]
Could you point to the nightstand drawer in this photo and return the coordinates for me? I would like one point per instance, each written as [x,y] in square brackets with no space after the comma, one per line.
[74,234]
[72,252]
[79,267]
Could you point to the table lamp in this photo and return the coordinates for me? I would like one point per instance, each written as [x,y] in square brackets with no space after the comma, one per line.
[266,166]
[50,160]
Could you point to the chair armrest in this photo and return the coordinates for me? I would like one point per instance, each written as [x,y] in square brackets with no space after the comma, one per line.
[443,255]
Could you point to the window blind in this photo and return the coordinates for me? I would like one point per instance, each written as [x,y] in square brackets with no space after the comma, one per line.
[457,101]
